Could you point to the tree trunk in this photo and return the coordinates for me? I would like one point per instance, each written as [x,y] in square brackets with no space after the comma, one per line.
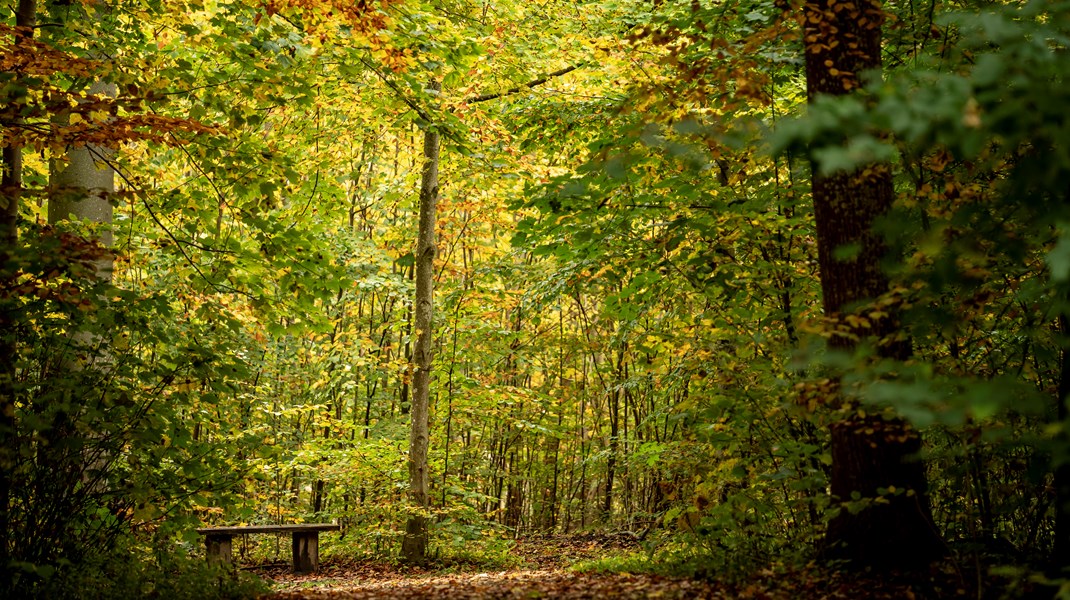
[1061,552]
[82,189]
[841,41]
[611,459]
[10,197]
[621,375]
[404,401]
[514,492]
[414,545]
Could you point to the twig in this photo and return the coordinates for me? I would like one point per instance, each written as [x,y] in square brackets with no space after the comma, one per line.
[531,84]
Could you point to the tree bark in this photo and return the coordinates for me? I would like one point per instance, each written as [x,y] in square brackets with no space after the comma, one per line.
[10,197]
[82,189]
[1061,551]
[414,544]
[611,460]
[843,39]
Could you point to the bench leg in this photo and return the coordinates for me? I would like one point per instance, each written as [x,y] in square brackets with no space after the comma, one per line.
[306,551]
[218,548]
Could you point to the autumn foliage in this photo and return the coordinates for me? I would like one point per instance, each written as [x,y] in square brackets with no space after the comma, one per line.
[766,289]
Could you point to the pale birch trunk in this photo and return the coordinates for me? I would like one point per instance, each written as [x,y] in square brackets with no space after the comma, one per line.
[82,189]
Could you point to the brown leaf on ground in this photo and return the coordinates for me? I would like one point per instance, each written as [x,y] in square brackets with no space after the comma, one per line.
[512,585]
[545,574]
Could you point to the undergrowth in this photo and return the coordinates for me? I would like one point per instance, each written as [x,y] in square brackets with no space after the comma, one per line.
[128,571]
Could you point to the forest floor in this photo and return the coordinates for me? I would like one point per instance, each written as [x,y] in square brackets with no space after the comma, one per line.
[546,572]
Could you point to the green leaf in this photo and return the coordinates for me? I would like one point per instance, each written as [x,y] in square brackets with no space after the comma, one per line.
[847,252]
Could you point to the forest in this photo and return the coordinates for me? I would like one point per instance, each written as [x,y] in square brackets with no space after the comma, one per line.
[766,296]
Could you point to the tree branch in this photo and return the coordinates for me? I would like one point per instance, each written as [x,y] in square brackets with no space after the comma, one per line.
[520,88]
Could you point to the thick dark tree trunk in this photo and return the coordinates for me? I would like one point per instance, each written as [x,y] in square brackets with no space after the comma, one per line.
[869,454]
[842,39]
[1061,553]
[10,196]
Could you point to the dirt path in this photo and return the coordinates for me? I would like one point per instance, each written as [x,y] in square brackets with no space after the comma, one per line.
[530,584]
[509,585]
[545,574]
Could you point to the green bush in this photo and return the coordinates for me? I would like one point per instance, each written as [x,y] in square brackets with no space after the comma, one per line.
[130,571]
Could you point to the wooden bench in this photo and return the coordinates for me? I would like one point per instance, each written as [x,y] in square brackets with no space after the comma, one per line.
[306,542]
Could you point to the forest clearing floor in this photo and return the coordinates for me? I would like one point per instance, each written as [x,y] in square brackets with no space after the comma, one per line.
[546,573]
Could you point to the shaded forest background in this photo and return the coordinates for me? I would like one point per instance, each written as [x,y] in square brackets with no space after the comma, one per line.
[630,330]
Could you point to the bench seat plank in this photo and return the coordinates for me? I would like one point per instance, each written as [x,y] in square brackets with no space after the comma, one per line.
[243,529]
[305,542]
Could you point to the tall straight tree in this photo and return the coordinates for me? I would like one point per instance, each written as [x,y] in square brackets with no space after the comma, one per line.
[1061,550]
[10,198]
[82,187]
[843,41]
[414,545]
